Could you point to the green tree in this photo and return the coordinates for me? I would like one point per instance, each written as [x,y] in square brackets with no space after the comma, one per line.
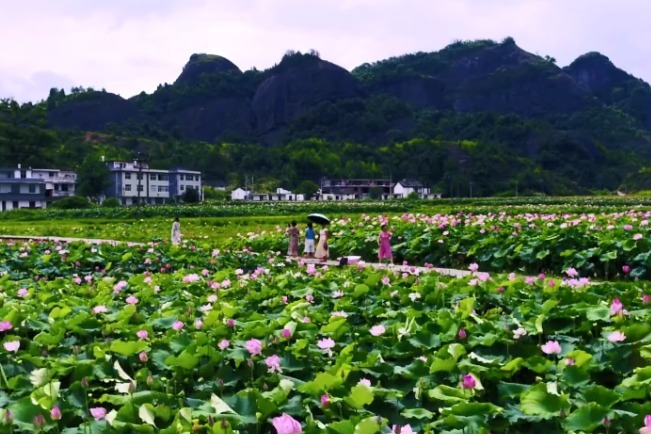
[307,188]
[92,177]
[191,195]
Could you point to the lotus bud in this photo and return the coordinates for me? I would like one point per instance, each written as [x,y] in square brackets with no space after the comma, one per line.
[39,421]
[84,383]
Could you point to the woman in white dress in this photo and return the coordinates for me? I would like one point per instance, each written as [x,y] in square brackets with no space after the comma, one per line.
[322,248]
[176,231]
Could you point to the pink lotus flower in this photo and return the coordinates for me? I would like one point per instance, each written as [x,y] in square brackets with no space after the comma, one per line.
[230,323]
[98,413]
[571,272]
[646,299]
[198,324]
[142,334]
[626,269]
[473,267]
[285,424]
[119,286]
[132,300]
[100,309]
[405,429]
[616,307]
[462,334]
[178,325]
[616,336]
[551,347]
[569,361]
[191,278]
[637,237]
[646,429]
[377,330]
[254,347]
[143,357]
[326,344]
[286,333]
[23,292]
[55,413]
[223,344]
[364,382]
[325,400]
[273,363]
[468,382]
[5,325]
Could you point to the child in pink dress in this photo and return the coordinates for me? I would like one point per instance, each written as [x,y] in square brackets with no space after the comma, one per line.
[384,241]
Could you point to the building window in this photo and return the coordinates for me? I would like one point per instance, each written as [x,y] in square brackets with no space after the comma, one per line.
[127,187]
[32,188]
[23,174]
[32,204]
[163,188]
[139,176]
[139,187]
[163,178]
[5,188]
[64,187]
[153,177]
[182,187]
[127,176]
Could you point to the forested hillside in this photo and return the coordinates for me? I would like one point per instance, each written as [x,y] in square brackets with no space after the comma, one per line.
[480,116]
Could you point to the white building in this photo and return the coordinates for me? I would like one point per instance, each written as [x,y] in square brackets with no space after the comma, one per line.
[33,188]
[405,187]
[281,195]
[240,194]
[58,183]
[134,182]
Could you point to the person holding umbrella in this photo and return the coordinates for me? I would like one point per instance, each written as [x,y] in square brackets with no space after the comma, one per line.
[322,251]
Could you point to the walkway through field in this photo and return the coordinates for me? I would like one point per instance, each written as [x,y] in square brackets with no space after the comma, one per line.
[330,263]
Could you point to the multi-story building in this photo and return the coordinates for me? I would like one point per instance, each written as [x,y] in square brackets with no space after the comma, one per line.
[58,183]
[33,188]
[342,189]
[134,182]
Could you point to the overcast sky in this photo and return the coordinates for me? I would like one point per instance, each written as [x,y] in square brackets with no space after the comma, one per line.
[127,46]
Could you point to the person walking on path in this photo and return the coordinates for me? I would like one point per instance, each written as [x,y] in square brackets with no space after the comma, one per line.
[176,231]
[293,233]
[322,252]
[310,235]
[384,242]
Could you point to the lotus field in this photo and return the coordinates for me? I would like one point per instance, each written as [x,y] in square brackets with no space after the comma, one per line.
[124,338]
[612,245]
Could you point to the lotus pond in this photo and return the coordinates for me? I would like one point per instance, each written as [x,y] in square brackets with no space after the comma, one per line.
[160,339]
[604,245]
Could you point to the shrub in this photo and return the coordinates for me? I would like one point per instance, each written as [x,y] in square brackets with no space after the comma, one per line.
[72,202]
[111,202]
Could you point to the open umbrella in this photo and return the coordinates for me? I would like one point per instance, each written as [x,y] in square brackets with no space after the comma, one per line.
[319,219]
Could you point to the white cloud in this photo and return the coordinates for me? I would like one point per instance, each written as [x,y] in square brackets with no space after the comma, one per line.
[127,46]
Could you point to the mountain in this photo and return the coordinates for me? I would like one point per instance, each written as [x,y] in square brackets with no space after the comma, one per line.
[466,108]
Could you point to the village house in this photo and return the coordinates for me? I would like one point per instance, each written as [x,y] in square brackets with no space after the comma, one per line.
[135,182]
[281,195]
[34,188]
[348,189]
[405,187]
